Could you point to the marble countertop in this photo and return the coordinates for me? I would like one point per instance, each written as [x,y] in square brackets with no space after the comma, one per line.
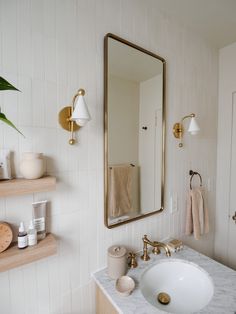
[224,279]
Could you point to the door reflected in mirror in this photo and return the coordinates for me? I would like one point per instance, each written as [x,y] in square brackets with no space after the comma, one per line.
[134,132]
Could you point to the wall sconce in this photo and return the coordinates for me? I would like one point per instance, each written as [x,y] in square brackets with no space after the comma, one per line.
[73,117]
[178,128]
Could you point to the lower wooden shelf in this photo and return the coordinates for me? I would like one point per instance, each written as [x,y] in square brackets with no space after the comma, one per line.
[14,257]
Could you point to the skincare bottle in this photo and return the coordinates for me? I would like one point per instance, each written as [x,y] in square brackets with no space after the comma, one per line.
[22,237]
[39,218]
[32,235]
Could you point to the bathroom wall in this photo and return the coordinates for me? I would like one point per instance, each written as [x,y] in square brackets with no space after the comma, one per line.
[123,119]
[49,49]
[225,197]
[150,143]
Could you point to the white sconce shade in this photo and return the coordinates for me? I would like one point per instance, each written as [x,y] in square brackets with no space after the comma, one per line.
[81,113]
[193,126]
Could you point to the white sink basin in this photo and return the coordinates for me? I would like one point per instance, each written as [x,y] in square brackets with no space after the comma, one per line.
[189,286]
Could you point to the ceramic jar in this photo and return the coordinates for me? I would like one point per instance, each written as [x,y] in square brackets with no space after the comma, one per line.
[32,165]
[116,261]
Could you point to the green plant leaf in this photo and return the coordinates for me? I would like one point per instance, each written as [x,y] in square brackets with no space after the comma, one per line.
[4,119]
[5,85]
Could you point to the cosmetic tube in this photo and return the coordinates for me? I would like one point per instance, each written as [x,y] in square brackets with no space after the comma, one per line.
[32,234]
[39,218]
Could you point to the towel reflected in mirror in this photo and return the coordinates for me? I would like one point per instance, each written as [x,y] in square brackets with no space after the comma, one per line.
[120,196]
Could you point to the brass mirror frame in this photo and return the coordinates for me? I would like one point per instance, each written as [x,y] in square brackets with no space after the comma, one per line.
[109,35]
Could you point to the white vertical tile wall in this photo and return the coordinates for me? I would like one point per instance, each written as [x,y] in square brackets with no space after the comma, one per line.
[49,49]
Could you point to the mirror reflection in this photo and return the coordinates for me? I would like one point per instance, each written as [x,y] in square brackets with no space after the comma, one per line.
[134,146]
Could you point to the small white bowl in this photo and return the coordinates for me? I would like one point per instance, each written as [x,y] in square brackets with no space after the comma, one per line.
[125,285]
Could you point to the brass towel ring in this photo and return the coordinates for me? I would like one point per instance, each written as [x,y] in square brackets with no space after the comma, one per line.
[192,173]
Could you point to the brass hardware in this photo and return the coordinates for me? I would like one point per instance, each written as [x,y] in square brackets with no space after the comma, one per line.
[81,92]
[156,245]
[156,251]
[71,141]
[178,128]
[132,263]
[132,165]
[106,159]
[145,255]
[234,217]
[163,298]
[65,115]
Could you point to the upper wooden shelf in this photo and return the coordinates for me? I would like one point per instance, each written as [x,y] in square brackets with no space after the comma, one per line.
[24,186]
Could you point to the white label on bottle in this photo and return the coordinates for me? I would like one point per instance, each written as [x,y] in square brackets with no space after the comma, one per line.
[22,242]
[39,224]
[32,239]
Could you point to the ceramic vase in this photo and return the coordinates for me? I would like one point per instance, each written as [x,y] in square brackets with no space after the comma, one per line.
[32,165]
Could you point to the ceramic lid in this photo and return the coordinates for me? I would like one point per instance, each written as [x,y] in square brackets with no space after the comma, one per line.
[117,251]
[31,155]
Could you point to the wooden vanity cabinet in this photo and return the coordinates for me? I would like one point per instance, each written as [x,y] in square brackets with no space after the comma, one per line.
[103,305]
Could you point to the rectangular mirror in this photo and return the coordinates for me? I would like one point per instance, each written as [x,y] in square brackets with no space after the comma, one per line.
[134,118]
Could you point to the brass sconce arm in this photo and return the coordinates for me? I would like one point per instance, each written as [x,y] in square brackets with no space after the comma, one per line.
[81,92]
[192,115]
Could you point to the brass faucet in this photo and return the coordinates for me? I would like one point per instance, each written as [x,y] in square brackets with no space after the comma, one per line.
[132,263]
[156,248]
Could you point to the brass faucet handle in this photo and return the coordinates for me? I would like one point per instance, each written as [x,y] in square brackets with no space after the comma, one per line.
[156,250]
[168,253]
[132,263]
[145,237]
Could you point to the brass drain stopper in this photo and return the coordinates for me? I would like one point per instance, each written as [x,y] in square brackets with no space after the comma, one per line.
[163,298]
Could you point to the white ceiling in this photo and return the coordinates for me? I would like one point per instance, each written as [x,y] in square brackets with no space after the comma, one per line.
[213,19]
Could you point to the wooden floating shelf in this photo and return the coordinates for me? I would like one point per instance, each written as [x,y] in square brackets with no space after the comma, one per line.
[24,186]
[14,257]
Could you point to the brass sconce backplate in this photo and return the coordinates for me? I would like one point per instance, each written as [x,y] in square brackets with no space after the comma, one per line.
[64,119]
[178,130]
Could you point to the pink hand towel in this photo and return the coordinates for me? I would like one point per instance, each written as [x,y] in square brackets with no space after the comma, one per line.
[197,219]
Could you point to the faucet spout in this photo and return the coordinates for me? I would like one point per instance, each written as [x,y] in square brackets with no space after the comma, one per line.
[164,246]
[156,245]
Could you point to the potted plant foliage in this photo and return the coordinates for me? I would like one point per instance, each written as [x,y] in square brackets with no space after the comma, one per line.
[5,85]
